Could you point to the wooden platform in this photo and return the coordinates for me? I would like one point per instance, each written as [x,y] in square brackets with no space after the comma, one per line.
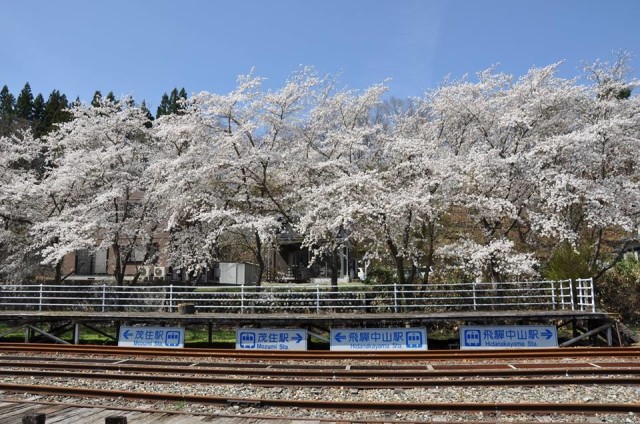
[53,324]
[12,412]
[331,320]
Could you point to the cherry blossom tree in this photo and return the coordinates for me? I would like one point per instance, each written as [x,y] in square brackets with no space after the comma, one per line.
[336,160]
[484,176]
[19,210]
[490,128]
[588,177]
[97,178]
[230,177]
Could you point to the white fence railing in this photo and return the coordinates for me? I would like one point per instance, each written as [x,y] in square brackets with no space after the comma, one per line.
[531,295]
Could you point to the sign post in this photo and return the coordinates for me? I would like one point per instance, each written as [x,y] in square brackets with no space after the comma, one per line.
[508,337]
[378,339]
[271,339]
[172,337]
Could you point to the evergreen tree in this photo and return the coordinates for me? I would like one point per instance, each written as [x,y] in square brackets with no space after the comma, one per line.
[173,101]
[111,98]
[183,97]
[163,109]
[24,104]
[38,116]
[56,110]
[7,102]
[147,113]
[97,98]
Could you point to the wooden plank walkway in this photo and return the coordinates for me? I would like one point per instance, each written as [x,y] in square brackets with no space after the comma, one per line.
[12,412]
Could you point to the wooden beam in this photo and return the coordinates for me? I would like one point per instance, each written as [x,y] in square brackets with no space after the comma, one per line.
[587,334]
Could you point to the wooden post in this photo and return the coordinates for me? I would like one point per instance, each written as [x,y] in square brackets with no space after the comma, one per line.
[115,419]
[34,419]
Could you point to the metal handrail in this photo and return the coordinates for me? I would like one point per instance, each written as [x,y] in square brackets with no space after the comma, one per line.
[101,297]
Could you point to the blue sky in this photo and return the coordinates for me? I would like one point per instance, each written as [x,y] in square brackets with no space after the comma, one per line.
[145,48]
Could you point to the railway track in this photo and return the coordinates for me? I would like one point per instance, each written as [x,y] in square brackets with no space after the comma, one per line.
[458,355]
[359,383]
[189,376]
[523,407]
[269,375]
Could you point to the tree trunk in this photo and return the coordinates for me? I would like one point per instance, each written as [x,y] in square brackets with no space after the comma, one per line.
[58,276]
[118,275]
[398,260]
[428,231]
[335,264]
[259,259]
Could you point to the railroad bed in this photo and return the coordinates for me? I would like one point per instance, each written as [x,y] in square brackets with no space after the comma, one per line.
[554,385]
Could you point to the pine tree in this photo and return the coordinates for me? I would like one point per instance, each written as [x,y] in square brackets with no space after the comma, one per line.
[163,109]
[7,102]
[55,110]
[24,104]
[111,97]
[38,116]
[183,97]
[97,98]
[173,101]
[148,114]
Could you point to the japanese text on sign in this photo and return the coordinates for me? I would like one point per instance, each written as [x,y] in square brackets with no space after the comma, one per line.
[172,337]
[379,339]
[504,337]
[271,339]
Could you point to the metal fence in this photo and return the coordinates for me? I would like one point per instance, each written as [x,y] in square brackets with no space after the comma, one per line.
[393,298]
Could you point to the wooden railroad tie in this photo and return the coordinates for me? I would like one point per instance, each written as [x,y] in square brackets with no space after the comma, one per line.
[42,419]
[34,419]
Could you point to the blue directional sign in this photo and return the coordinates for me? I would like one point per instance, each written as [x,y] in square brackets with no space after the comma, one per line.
[378,339]
[508,337]
[271,339]
[151,337]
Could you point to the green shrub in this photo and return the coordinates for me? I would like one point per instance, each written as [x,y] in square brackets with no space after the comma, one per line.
[380,274]
[618,291]
[568,261]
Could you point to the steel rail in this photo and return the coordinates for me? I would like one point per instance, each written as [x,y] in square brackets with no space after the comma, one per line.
[492,370]
[328,355]
[565,408]
[415,366]
[262,365]
[293,381]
